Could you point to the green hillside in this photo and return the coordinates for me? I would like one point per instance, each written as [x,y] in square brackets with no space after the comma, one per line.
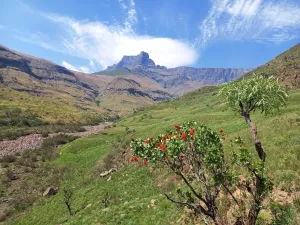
[286,67]
[133,195]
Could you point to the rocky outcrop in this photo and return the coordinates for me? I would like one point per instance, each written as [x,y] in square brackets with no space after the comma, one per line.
[132,61]
[179,80]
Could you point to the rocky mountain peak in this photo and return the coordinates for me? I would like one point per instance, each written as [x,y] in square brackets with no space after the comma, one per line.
[141,59]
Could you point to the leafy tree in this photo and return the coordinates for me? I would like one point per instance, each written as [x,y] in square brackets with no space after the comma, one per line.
[246,96]
[257,93]
[195,153]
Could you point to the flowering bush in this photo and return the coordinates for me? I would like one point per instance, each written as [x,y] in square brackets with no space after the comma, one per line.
[188,144]
[195,153]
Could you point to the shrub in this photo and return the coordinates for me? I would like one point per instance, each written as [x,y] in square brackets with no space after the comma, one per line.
[8,159]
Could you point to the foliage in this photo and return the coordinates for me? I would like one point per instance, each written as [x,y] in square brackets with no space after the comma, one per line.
[195,153]
[257,92]
[132,188]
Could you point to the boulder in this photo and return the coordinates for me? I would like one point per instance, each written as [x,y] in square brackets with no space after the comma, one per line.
[50,192]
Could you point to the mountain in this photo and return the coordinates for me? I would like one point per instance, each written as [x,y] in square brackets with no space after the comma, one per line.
[132,61]
[82,93]
[177,80]
[286,67]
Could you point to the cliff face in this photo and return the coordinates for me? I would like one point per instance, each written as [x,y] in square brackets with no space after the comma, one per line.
[178,80]
[132,61]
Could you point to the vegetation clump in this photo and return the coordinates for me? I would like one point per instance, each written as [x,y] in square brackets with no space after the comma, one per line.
[195,154]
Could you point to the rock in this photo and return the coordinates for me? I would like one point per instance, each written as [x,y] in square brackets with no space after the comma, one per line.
[131,61]
[103,174]
[105,210]
[50,191]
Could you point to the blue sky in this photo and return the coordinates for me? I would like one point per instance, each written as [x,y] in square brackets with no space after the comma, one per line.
[90,35]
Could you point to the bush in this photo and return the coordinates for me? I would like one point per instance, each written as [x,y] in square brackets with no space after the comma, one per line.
[8,159]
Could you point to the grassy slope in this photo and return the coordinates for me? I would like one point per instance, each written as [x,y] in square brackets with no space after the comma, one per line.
[134,187]
[47,109]
[285,66]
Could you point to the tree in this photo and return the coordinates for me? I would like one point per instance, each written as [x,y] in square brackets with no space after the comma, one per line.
[246,96]
[68,196]
[195,153]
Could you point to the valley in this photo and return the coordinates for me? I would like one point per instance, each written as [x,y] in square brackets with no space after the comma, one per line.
[54,105]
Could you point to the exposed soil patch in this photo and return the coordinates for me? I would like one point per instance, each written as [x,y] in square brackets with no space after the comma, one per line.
[34,141]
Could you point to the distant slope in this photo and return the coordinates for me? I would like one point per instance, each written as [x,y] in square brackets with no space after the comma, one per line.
[286,67]
[46,80]
[177,80]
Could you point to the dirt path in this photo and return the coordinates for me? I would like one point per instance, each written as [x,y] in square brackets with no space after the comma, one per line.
[33,141]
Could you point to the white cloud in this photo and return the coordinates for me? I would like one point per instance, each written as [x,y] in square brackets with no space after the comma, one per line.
[122,4]
[106,44]
[92,64]
[257,20]
[84,69]
[71,67]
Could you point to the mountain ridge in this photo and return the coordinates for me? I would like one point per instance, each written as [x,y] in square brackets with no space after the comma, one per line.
[178,80]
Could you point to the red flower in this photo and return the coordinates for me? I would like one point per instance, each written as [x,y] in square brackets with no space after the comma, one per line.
[221,131]
[131,139]
[177,127]
[163,147]
[181,156]
[192,132]
[183,137]
[147,141]
[167,158]
[223,135]
[170,136]
[145,163]
[241,145]
[157,144]
[134,159]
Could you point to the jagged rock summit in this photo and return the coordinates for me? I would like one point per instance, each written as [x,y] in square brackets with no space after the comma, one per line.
[141,59]
[177,80]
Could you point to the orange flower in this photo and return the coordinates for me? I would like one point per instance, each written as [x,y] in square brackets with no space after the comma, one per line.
[163,147]
[183,137]
[134,159]
[192,132]
[177,127]
[131,139]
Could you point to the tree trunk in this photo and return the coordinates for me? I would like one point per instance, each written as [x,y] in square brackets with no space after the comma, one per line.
[254,209]
[257,143]
[252,215]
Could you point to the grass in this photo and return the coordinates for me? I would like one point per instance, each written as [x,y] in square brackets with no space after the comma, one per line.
[132,188]
[19,185]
